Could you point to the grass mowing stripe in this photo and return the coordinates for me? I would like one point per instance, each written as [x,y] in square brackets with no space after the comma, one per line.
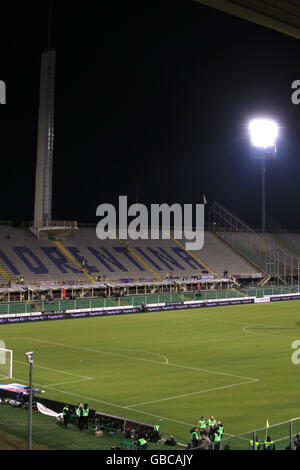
[143,359]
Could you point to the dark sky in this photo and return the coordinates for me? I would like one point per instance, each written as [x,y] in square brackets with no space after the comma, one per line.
[155,95]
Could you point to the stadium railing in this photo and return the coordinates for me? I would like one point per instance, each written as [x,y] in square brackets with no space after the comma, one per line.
[137,300]
[281,434]
[102,302]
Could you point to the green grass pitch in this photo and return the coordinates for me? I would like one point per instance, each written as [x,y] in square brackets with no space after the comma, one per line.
[170,367]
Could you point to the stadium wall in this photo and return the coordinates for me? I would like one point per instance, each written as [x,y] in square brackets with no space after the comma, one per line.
[90,313]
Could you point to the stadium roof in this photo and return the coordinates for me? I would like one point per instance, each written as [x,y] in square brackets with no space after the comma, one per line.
[280,15]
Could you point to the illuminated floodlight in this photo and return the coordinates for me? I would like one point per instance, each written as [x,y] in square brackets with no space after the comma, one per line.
[263,133]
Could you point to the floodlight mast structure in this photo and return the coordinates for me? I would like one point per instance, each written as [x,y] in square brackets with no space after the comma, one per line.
[263,133]
[43,185]
[263,194]
[43,225]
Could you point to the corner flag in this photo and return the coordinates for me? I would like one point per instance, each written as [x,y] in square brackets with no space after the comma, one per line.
[267,426]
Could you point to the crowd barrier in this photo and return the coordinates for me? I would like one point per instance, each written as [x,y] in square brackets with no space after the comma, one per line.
[122,310]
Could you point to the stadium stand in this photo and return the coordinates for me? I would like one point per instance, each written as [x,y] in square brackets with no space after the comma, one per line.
[22,254]
[266,252]
[289,241]
[220,257]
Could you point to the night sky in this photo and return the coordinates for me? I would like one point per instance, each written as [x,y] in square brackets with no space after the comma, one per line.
[151,95]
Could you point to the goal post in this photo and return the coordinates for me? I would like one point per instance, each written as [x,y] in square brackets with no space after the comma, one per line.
[6,363]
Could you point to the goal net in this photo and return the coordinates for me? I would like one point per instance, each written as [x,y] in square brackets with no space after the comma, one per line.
[6,363]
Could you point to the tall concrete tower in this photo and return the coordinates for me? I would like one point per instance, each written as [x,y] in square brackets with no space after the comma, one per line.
[44,165]
[43,225]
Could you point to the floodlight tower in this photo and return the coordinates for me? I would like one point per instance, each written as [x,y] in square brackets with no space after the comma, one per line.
[263,134]
[43,225]
[43,188]
[45,142]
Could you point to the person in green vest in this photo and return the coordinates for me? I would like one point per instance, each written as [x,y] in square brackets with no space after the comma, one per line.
[217,440]
[269,444]
[82,264]
[66,414]
[85,416]
[211,422]
[202,425]
[254,445]
[220,428]
[78,412]
[142,443]
[194,437]
[156,436]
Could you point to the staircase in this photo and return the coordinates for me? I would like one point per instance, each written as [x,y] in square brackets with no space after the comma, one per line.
[260,249]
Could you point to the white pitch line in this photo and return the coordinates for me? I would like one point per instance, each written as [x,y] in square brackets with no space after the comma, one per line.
[143,359]
[130,407]
[86,399]
[52,385]
[65,383]
[189,394]
[251,379]
[148,352]
[95,351]
[56,370]
[119,406]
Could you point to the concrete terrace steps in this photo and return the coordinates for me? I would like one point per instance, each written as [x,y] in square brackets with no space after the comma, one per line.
[19,239]
[39,260]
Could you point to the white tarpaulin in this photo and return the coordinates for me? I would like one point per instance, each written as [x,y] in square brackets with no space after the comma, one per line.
[46,411]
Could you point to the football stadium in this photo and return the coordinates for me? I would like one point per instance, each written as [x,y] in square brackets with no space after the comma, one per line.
[156,334]
[128,344]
